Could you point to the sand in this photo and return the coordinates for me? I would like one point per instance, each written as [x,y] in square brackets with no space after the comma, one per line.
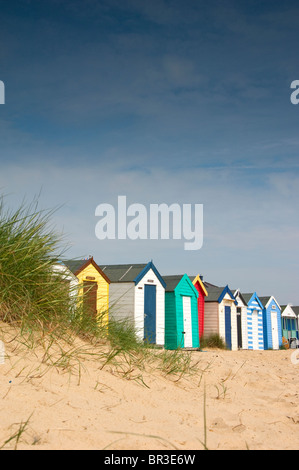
[251,402]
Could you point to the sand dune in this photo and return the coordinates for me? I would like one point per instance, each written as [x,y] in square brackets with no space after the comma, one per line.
[251,402]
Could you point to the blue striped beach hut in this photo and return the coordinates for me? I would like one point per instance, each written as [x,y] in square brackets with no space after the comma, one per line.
[255,321]
[272,323]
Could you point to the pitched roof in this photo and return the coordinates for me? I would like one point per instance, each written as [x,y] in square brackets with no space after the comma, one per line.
[247,297]
[208,284]
[213,293]
[216,294]
[76,266]
[265,300]
[288,311]
[130,272]
[199,279]
[122,272]
[296,310]
[172,281]
[234,291]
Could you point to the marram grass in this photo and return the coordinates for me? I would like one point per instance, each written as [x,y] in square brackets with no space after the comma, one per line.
[29,291]
[36,300]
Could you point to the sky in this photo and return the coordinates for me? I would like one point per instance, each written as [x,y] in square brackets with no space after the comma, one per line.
[184,102]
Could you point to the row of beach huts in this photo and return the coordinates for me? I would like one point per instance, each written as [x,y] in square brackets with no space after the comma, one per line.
[176,311]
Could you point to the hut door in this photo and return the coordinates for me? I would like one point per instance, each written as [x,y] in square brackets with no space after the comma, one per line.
[228,327]
[187,322]
[90,289]
[239,327]
[274,330]
[255,339]
[150,313]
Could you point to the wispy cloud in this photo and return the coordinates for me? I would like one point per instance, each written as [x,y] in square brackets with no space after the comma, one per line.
[188,102]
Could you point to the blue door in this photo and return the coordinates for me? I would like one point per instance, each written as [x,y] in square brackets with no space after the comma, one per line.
[228,327]
[150,313]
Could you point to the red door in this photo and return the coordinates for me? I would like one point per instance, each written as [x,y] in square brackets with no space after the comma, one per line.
[90,289]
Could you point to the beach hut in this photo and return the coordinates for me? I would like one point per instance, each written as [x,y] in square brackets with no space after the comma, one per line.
[220,315]
[137,294]
[289,323]
[68,277]
[181,313]
[271,323]
[202,293]
[93,284]
[296,310]
[241,312]
[255,323]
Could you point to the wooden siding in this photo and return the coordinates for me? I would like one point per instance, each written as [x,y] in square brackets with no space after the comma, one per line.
[289,323]
[243,308]
[186,289]
[151,279]
[200,308]
[171,337]
[255,331]
[228,302]
[267,319]
[211,319]
[121,300]
[102,290]
[174,317]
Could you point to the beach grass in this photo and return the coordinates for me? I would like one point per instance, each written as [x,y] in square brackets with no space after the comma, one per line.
[37,303]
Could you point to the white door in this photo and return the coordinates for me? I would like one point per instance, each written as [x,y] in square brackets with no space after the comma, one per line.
[187,322]
[274,330]
[255,337]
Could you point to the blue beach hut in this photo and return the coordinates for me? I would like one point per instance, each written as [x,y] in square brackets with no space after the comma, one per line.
[271,323]
[255,323]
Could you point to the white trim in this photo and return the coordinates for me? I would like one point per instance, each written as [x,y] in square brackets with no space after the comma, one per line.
[270,300]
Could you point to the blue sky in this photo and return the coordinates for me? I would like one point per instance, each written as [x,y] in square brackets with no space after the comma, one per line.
[175,102]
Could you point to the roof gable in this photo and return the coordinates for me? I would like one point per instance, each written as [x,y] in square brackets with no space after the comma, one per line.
[200,282]
[266,301]
[217,294]
[77,266]
[149,266]
[237,293]
[173,282]
[296,310]
[130,272]
[252,297]
[122,272]
[287,311]
[225,291]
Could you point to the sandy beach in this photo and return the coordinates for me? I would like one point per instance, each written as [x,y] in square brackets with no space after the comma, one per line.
[251,402]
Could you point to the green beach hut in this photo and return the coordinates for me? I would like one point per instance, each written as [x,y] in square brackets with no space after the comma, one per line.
[289,324]
[181,314]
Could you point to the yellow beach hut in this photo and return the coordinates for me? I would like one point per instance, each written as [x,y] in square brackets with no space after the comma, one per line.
[94,284]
